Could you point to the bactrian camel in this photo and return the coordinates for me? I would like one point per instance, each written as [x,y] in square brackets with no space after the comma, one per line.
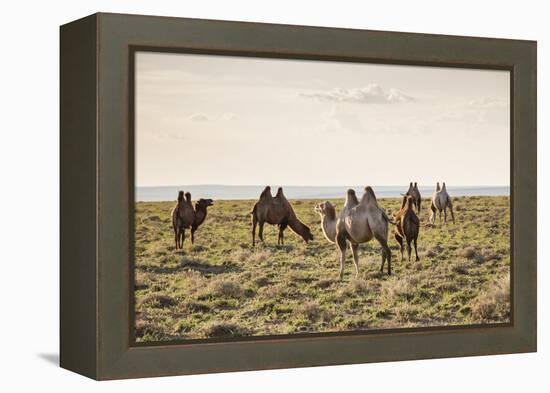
[440,202]
[359,222]
[200,215]
[415,194]
[407,226]
[183,216]
[276,211]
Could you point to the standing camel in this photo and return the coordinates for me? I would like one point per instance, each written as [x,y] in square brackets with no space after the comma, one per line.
[183,216]
[440,202]
[327,211]
[276,211]
[200,215]
[415,193]
[359,222]
[407,226]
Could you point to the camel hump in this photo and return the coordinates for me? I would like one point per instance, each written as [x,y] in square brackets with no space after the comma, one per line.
[370,193]
[280,193]
[443,187]
[188,197]
[180,196]
[266,192]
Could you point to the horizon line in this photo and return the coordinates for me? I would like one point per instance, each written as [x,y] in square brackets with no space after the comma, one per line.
[312,186]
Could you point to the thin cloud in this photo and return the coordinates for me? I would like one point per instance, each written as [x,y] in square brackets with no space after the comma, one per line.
[198,117]
[369,94]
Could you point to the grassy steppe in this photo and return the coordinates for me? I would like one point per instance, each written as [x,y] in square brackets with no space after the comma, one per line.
[221,286]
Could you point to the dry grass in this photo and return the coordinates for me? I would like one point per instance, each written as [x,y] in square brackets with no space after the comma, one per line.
[222,287]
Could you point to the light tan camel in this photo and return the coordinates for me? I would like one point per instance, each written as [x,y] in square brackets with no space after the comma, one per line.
[415,193]
[407,226]
[200,215]
[359,222]
[440,202]
[276,211]
[327,211]
[183,216]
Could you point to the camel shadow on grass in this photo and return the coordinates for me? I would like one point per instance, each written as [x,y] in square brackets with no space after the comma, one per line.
[192,264]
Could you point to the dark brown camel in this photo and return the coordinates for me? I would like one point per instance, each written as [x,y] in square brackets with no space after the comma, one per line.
[200,215]
[276,211]
[183,216]
[407,226]
[415,193]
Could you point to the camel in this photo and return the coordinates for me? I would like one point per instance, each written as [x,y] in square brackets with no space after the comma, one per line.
[358,222]
[415,193]
[276,211]
[200,215]
[327,211]
[183,216]
[407,226]
[440,202]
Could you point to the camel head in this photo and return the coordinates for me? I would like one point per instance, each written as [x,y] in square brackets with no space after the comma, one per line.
[306,233]
[407,202]
[326,209]
[180,196]
[404,200]
[202,204]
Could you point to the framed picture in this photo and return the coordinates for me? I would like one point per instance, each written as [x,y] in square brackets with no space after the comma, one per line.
[242,196]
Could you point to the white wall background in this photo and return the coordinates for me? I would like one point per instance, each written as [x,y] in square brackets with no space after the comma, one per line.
[29,194]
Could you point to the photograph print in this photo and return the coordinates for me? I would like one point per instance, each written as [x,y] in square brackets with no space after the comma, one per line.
[283,196]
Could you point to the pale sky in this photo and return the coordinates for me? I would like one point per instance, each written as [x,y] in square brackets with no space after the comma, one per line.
[203,119]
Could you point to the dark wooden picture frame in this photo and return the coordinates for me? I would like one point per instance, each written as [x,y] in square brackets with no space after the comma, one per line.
[97,314]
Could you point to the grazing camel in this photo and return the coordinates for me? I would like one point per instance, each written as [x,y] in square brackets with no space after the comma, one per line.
[200,215]
[359,222]
[183,216]
[440,202]
[407,226]
[415,193]
[276,211]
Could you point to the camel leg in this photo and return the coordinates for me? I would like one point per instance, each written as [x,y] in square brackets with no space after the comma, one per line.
[409,250]
[254,223]
[341,242]
[400,241]
[261,231]
[445,215]
[281,239]
[386,253]
[416,247]
[182,234]
[176,237]
[355,253]
[180,243]
[433,213]
[419,203]
[193,235]
[452,213]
